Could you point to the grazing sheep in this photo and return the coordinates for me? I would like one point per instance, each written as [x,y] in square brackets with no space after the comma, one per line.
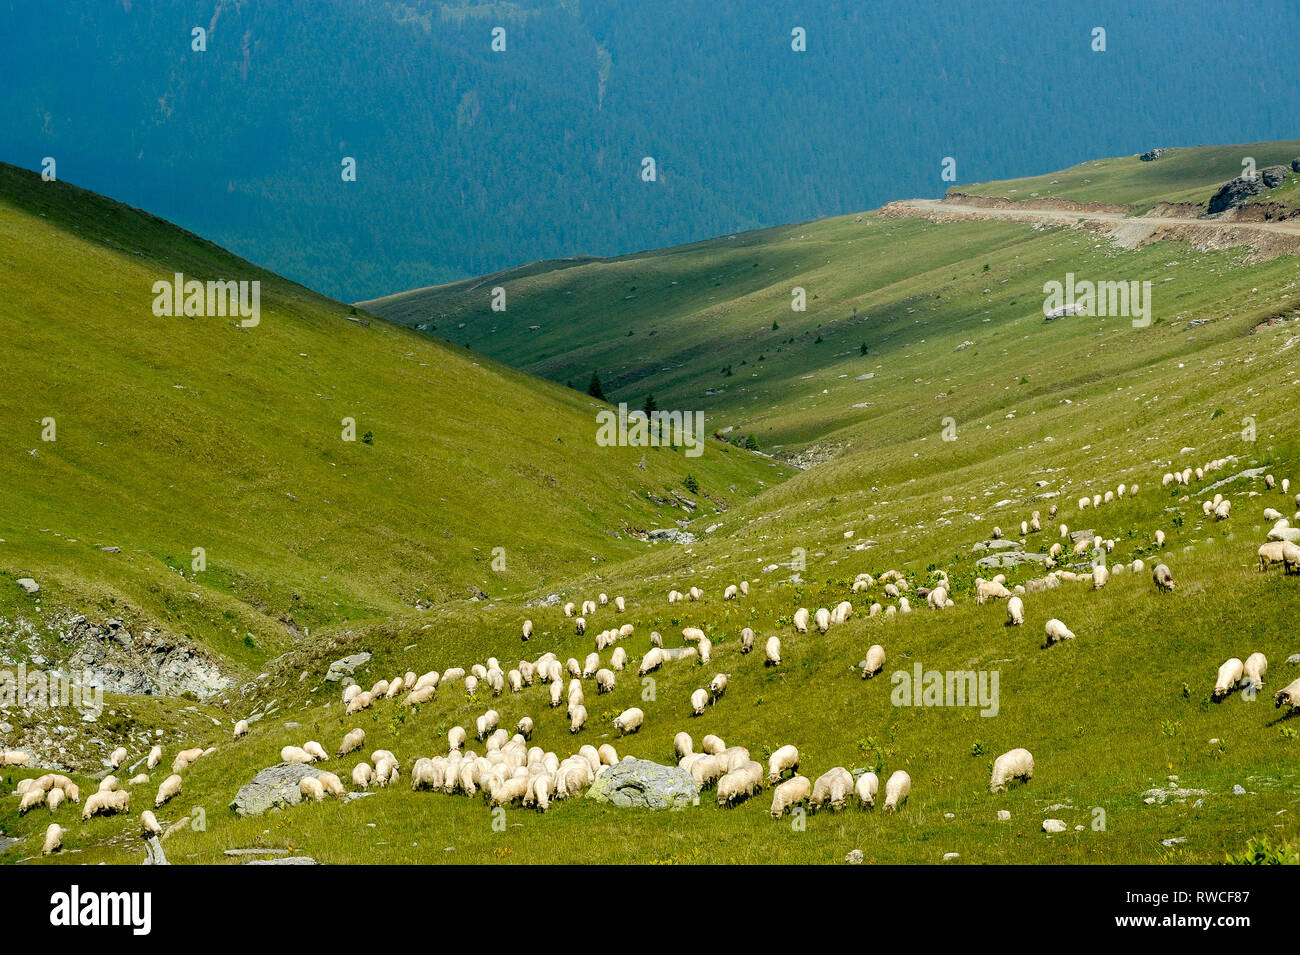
[786,757]
[706,650]
[1291,558]
[1229,676]
[1057,631]
[731,592]
[56,796]
[1269,482]
[683,745]
[713,745]
[897,789]
[117,757]
[106,803]
[295,754]
[843,612]
[527,630]
[486,723]
[1222,511]
[1163,579]
[629,721]
[874,662]
[171,786]
[362,775]
[311,786]
[604,681]
[692,634]
[590,665]
[1254,669]
[718,685]
[1289,695]
[1013,764]
[315,751]
[866,787]
[652,660]
[833,786]
[1274,552]
[580,626]
[1015,611]
[332,785]
[772,651]
[53,839]
[588,607]
[456,738]
[569,608]
[746,640]
[577,718]
[241,729]
[801,620]
[31,799]
[619,605]
[789,794]
[740,783]
[362,701]
[155,757]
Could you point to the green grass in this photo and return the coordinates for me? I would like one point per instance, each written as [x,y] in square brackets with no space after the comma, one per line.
[1079,404]
[1189,174]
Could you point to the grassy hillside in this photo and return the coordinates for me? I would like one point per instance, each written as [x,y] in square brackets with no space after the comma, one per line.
[1191,174]
[1043,412]
[173,433]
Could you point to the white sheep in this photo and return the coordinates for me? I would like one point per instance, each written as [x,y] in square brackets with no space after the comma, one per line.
[315,751]
[1015,611]
[53,839]
[1163,579]
[789,794]
[712,745]
[629,721]
[171,787]
[1253,670]
[1230,672]
[718,685]
[362,775]
[106,803]
[1057,631]
[294,754]
[527,629]
[683,745]
[577,718]
[801,620]
[866,787]
[833,786]
[874,662]
[1013,764]
[311,786]
[785,757]
[117,757]
[897,789]
[1289,695]
[772,652]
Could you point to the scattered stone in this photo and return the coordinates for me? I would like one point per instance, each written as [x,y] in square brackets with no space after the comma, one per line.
[346,666]
[28,584]
[642,784]
[854,857]
[1151,155]
[287,860]
[1004,815]
[950,856]
[1053,825]
[1237,790]
[273,788]
[1173,842]
[257,852]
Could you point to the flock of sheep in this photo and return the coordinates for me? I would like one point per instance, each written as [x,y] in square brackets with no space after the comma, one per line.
[510,770]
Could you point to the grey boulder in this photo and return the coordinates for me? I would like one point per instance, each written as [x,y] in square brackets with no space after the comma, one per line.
[273,788]
[642,784]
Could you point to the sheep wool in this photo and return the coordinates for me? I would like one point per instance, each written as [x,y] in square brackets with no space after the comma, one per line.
[699,700]
[772,652]
[171,786]
[874,662]
[53,839]
[1057,631]
[1013,764]
[897,789]
[1254,669]
[1015,611]
[832,786]
[791,793]
[866,788]
[629,721]
[785,758]
[1230,672]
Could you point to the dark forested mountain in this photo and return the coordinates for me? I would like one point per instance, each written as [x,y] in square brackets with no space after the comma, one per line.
[470,160]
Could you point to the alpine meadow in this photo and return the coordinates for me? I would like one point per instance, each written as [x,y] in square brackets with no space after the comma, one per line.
[891,520]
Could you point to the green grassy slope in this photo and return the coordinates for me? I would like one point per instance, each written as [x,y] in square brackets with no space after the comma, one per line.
[1190,174]
[177,433]
[1044,414]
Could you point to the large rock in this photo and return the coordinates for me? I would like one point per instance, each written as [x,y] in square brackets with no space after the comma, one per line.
[1237,191]
[347,666]
[641,784]
[28,584]
[273,788]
